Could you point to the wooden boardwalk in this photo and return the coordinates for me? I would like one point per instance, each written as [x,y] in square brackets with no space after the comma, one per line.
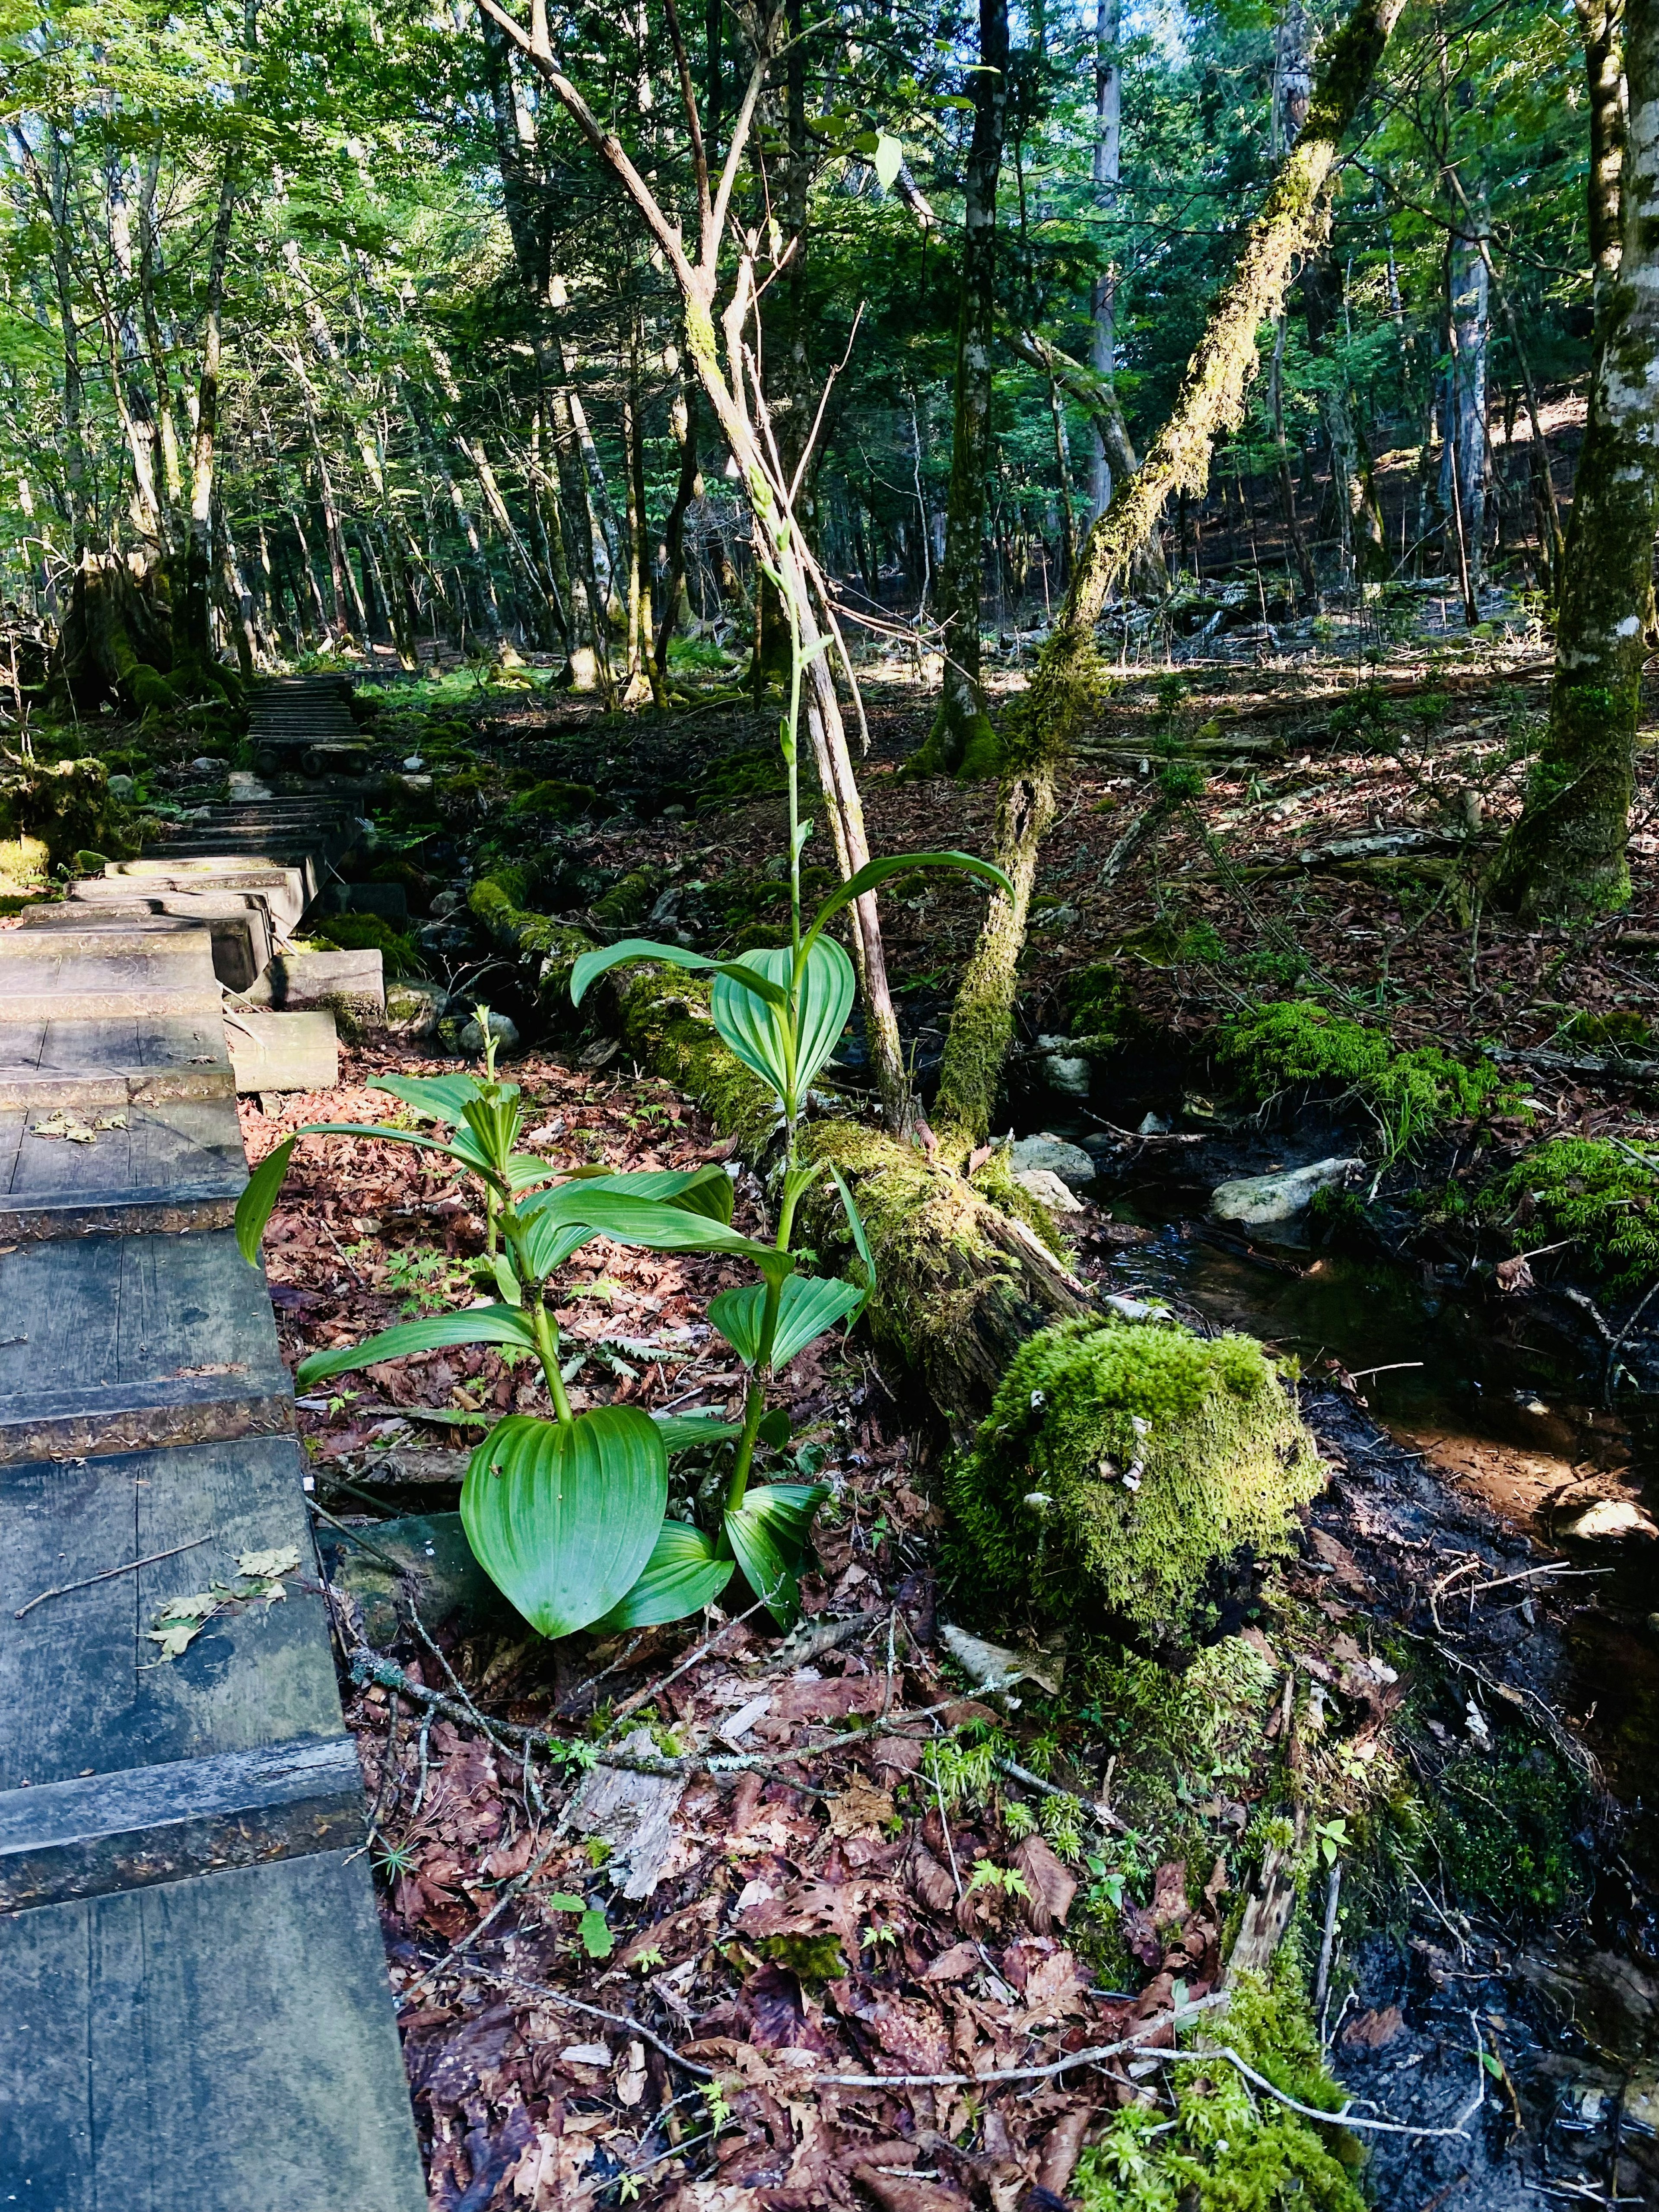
[196,2004]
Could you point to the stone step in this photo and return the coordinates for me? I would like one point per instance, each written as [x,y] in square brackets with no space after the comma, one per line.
[298,1051]
[114,1060]
[168,1165]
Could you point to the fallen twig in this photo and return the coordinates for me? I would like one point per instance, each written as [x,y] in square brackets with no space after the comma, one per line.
[126,1568]
[698,2072]
[632,1704]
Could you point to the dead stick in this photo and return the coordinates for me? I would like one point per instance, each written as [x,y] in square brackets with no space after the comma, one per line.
[127,1568]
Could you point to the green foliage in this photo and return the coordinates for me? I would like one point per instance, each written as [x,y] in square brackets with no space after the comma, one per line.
[1506,1822]
[1231,2149]
[1119,1466]
[368,932]
[1281,1046]
[1621,1029]
[555,800]
[1597,1193]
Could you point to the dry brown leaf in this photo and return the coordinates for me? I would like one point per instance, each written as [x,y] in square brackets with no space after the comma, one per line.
[931,1881]
[956,1964]
[1054,1987]
[897,2193]
[1051,1888]
[1373,2029]
[860,1809]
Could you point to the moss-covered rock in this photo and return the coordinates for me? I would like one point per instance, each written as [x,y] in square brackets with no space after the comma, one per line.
[63,805]
[1294,1044]
[1120,1465]
[555,800]
[368,932]
[1599,1194]
[491,904]
[628,901]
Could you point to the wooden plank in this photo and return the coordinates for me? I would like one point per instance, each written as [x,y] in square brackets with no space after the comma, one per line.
[103,1833]
[168,1166]
[117,1344]
[77,1679]
[225,2043]
[237,924]
[54,1062]
[283,889]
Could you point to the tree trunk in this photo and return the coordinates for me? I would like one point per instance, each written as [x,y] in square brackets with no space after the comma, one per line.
[1566,854]
[684,422]
[1467,322]
[1599,28]
[963,741]
[1103,300]
[1067,682]
[1307,575]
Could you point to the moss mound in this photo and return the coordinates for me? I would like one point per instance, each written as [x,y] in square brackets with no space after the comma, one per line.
[1120,1464]
[1280,1047]
[555,800]
[368,932]
[64,805]
[1599,1194]
[1229,2149]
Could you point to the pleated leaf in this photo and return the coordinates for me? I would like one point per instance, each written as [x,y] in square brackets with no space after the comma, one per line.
[768,1533]
[809,1305]
[496,1324]
[682,1576]
[563,1518]
[630,1220]
[685,1431]
[756,1031]
[594,965]
[438,1098]
[255,1206]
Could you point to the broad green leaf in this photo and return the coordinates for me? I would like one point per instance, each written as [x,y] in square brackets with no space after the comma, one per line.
[775,1429]
[501,1324]
[855,1222]
[807,1306]
[875,873]
[595,1931]
[707,1190]
[255,1206]
[438,1098]
[506,1281]
[628,1220]
[757,1033]
[549,1243]
[685,1431]
[563,1517]
[595,963]
[890,155]
[767,1532]
[682,1576]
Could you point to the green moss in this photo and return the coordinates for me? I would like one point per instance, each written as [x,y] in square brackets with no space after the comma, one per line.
[1097,1003]
[736,778]
[628,901]
[1156,1456]
[1281,1046]
[1622,1030]
[152,692]
[1506,1822]
[667,1026]
[555,800]
[491,904]
[368,932]
[996,1179]
[1230,2149]
[1593,1191]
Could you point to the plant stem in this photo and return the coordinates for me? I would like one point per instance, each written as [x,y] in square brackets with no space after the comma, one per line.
[754,1407]
[547,1350]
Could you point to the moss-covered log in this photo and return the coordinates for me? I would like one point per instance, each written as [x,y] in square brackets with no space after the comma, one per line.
[1067,680]
[961,1279]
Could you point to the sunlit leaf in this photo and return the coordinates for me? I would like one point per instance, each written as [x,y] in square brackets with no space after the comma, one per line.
[562,1517]
[767,1532]
[756,1032]
[855,1222]
[875,872]
[807,1305]
[889,155]
[437,1097]
[685,1431]
[629,1220]
[255,1206]
[594,965]
[682,1575]
[501,1324]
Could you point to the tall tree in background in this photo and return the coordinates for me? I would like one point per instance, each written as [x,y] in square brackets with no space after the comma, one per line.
[1105,172]
[1566,854]
[963,741]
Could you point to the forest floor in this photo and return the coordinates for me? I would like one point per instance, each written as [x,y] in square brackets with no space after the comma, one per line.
[619,1987]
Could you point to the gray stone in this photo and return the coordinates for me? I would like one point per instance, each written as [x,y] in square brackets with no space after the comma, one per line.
[1069,1162]
[283,1051]
[1045,1185]
[206,764]
[505,1032]
[447,903]
[414,764]
[1256,1200]
[121,786]
[354,980]
[414,1009]
[1609,1516]
[1067,1073]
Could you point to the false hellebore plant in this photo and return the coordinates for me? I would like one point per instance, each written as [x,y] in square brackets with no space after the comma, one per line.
[569,1516]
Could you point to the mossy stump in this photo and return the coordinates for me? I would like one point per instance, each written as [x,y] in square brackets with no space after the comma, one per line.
[1120,1465]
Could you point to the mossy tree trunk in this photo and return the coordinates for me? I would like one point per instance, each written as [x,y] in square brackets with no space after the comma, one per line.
[1566,853]
[1066,687]
[963,741]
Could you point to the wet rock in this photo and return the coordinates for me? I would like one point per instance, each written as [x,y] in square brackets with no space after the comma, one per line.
[504,1031]
[1067,1073]
[424,1558]
[1069,1162]
[1253,1200]
[447,903]
[1044,1184]
[1609,1516]
[995,1666]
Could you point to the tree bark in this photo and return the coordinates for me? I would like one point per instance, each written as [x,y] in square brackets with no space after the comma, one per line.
[1566,853]
[1067,682]
[1106,167]
[1598,26]
[963,741]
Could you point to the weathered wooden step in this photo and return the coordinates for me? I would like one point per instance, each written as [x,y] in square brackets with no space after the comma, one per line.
[238,923]
[113,1061]
[176,978]
[225,2042]
[163,1166]
[244,1725]
[116,1344]
[283,889]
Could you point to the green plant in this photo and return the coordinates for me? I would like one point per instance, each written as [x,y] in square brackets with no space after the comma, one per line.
[568,1516]
[1604,1196]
